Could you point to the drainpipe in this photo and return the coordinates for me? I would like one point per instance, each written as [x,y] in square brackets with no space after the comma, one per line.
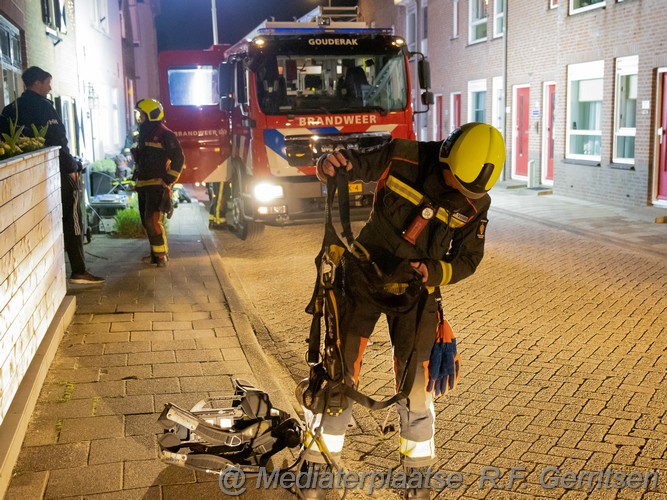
[503,119]
[214,17]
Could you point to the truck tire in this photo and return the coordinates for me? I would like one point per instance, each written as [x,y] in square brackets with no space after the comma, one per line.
[240,224]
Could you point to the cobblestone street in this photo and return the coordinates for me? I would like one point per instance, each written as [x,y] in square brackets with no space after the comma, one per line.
[563,343]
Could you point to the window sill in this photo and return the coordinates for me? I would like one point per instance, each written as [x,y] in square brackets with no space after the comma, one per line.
[621,166]
[585,163]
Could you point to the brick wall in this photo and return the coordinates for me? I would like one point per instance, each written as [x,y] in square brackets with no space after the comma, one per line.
[32,265]
[541,43]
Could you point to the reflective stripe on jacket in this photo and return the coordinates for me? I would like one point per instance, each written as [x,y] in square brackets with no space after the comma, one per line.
[409,173]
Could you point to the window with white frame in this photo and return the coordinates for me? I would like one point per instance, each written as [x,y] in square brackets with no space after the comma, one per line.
[625,109]
[477,101]
[553,4]
[478,21]
[10,62]
[585,84]
[498,18]
[54,14]
[411,28]
[101,15]
[455,18]
[577,6]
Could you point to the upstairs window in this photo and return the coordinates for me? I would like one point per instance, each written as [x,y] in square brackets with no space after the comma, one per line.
[585,84]
[478,21]
[455,18]
[101,15]
[553,4]
[625,110]
[577,6]
[498,18]
[54,15]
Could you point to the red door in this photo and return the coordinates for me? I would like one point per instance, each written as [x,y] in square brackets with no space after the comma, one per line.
[551,107]
[456,111]
[521,149]
[662,154]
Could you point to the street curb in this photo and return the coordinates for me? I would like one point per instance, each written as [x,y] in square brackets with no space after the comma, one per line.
[268,371]
[15,424]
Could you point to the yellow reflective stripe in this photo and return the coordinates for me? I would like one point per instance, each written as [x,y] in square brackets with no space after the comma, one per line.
[154,145]
[159,248]
[446,272]
[149,182]
[443,215]
[175,173]
[402,189]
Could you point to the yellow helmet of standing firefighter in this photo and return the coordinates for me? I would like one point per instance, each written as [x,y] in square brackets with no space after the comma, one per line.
[475,154]
[151,108]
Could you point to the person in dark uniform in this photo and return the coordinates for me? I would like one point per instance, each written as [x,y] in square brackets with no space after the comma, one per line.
[428,224]
[159,160]
[33,107]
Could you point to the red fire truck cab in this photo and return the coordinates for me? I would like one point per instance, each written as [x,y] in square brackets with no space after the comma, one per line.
[288,92]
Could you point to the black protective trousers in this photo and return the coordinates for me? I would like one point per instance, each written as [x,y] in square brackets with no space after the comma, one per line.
[72,223]
[150,199]
[415,331]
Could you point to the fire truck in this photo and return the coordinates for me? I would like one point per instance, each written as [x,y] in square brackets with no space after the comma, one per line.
[289,92]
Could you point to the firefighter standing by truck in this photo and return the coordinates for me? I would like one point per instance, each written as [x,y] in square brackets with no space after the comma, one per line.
[159,160]
[428,227]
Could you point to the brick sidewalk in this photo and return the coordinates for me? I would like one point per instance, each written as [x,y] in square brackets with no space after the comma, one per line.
[146,337]
[150,336]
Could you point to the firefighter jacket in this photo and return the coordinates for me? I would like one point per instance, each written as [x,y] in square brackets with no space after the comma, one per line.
[38,110]
[410,176]
[158,156]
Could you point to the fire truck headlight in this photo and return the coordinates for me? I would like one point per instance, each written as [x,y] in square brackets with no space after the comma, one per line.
[266,192]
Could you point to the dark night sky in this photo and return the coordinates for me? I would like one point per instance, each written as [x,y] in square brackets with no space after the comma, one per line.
[186,24]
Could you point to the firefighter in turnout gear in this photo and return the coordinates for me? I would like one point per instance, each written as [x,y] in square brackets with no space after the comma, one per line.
[159,160]
[427,226]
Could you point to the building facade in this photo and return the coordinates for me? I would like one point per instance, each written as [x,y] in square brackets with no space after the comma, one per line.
[577,87]
[100,52]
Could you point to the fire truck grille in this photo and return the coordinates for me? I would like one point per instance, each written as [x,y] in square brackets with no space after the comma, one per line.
[304,150]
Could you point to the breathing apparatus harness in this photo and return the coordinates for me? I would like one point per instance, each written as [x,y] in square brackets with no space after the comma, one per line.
[345,270]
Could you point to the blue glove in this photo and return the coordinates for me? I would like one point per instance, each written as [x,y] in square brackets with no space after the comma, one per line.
[445,363]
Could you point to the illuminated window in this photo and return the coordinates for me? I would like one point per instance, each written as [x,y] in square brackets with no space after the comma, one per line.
[625,109]
[193,86]
[584,110]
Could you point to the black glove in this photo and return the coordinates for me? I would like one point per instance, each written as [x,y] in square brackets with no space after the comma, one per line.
[166,203]
[434,270]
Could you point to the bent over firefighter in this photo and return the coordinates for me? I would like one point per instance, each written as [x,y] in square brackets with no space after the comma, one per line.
[427,229]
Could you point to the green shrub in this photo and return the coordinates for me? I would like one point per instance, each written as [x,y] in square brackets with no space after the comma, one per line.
[106,165]
[128,224]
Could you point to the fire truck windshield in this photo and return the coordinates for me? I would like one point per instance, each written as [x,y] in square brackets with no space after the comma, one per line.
[322,83]
[193,85]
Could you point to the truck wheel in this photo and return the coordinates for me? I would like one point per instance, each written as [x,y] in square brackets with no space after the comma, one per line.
[244,228]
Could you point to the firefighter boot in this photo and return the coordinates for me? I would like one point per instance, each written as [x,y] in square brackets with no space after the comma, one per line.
[417,483]
[308,485]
